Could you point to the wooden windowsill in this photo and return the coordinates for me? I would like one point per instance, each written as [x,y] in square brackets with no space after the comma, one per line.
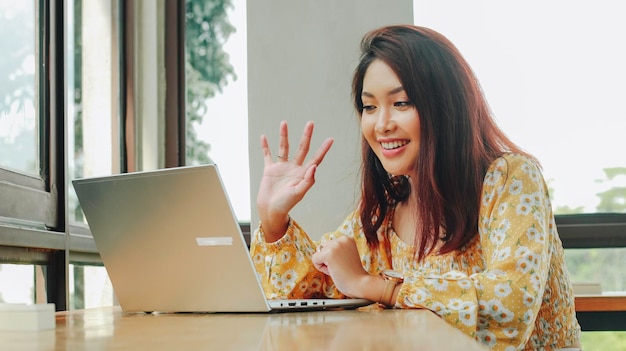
[605,302]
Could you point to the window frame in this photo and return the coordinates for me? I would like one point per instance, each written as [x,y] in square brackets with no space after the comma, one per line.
[39,194]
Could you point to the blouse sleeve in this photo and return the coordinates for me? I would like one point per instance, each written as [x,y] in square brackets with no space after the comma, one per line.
[501,300]
[285,267]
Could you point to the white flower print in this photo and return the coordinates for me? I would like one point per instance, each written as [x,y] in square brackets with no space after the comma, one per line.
[500,163]
[502,208]
[528,317]
[516,187]
[523,209]
[486,337]
[539,216]
[532,258]
[276,281]
[490,179]
[299,256]
[455,304]
[525,206]
[534,340]
[503,253]
[523,265]
[527,199]
[419,296]
[285,256]
[439,284]
[315,285]
[495,274]
[453,275]
[538,198]
[535,280]
[438,308]
[527,169]
[497,237]
[328,289]
[258,258]
[483,323]
[510,348]
[464,284]
[521,251]
[487,198]
[535,235]
[544,324]
[289,279]
[510,332]
[478,285]
[505,225]
[467,314]
[503,315]
[529,300]
[303,286]
[496,309]
[503,289]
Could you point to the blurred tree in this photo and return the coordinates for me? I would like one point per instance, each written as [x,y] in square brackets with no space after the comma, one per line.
[207,66]
[16,90]
[613,199]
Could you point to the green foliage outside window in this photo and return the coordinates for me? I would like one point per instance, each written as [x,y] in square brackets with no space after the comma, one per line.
[207,66]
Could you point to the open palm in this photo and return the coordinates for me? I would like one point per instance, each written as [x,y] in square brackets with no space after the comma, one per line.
[285,181]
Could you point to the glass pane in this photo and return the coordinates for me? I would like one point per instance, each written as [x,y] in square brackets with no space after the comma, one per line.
[18,283]
[604,266]
[19,136]
[90,77]
[216,71]
[603,341]
[90,287]
[553,73]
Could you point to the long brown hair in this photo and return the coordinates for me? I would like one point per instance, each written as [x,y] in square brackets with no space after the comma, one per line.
[459,139]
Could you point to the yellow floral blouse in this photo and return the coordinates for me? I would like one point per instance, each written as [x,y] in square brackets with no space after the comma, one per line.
[508,287]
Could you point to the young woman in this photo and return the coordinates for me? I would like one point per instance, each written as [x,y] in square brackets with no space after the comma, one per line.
[453,216]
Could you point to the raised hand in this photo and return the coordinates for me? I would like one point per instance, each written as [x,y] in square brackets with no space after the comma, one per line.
[286,180]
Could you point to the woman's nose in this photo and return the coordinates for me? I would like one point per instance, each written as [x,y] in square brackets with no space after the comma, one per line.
[384,122]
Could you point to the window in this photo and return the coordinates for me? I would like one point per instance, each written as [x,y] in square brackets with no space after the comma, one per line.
[554,86]
[217,113]
[553,74]
[19,125]
[29,170]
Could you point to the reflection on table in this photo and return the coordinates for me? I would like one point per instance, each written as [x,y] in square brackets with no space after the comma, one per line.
[363,329]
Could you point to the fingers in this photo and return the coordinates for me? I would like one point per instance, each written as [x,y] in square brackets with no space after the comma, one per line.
[307,182]
[303,147]
[267,154]
[305,142]
[318,260]
[283,142]
[321,152]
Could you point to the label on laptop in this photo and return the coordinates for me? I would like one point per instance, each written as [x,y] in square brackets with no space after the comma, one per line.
[215,241]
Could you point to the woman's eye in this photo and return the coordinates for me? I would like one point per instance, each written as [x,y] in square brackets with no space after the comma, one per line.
[402,104]
[368,108]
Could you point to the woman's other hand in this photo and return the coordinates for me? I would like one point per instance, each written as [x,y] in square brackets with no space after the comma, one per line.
[339,258]
[286,179]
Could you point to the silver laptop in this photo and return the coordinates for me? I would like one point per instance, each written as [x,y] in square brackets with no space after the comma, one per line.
[170,242]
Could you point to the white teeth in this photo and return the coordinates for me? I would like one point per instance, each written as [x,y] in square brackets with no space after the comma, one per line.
[394,144]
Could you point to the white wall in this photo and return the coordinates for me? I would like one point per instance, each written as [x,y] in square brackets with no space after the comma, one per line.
[301,56]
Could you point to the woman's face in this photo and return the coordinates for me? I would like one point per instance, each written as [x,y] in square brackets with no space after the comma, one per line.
[389,122]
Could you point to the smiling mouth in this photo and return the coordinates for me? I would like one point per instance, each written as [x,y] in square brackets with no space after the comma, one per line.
[393,144]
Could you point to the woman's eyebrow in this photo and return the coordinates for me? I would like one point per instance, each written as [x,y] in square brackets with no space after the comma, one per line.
[391,92]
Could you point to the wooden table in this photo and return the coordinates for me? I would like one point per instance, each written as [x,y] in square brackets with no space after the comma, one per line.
[363,329]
